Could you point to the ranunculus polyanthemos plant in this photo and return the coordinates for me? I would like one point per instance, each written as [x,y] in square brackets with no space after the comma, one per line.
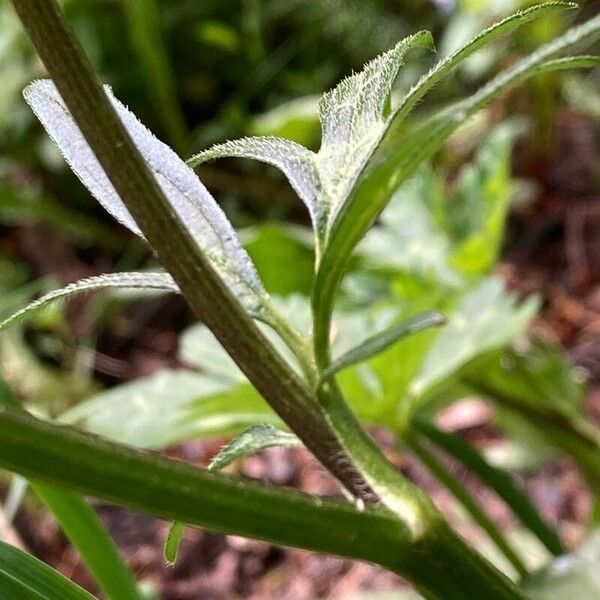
[369,149]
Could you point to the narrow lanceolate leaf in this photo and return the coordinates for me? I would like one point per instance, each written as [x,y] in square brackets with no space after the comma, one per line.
[189,199]
[249,442]
[394,166]
[500,481]
[295,161]
[252,441]
[161,282]
[87,534]
[353,116]
[83,527]
[380,341]
[449,63]
[24,577]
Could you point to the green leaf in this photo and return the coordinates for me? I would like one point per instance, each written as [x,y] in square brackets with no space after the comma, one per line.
[273,248]
[574,576]
[448,64]
[498,480]
[383,340]
[24,577]
[398,160]
[353,117]
[408,239]
[190,200]
[486,318]
[253,440]
[146,281]
[168,407]
[296,162]
[87,534]
[173,541]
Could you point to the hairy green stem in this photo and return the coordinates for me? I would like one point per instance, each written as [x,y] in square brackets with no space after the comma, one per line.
[440,565]
[201,285]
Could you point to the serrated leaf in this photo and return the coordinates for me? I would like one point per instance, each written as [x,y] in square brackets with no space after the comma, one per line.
[383,340]
[146,281]
[24,577]
[191,201]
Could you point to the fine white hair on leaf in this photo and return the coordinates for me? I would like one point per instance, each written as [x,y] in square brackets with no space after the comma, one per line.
[148,281]
[353,116]
[190,200]
[295,161]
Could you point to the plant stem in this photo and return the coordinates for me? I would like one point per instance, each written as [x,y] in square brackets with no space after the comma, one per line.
[203,288]
[464,497]
[438,563]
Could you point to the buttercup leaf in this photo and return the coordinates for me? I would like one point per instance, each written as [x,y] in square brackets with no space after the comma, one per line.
[354,116]
[188,197]
[146,281]
[294,160]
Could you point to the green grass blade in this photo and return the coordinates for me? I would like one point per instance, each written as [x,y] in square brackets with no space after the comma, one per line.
[98,551]
[146,281]
[501,482]
[383,340]
[146,38]
[23,577]
[448,64]
[466,499]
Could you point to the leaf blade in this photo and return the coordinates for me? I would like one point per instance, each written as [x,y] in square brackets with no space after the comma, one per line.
[146,281]
[497,479]
[188,197]
[251,441]
[383,340]
[375,188]
[295,161]
[448,64]
[25,577]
